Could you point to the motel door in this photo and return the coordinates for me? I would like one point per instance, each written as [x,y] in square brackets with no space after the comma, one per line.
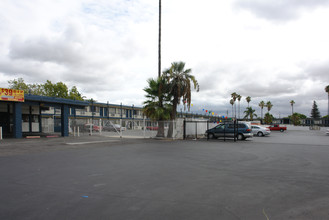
[5,117]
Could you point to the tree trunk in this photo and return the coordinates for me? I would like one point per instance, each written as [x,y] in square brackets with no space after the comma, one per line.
[173,117]
[239,111]
[160,129]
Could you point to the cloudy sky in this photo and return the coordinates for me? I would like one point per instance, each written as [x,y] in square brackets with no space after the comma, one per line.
[274,50]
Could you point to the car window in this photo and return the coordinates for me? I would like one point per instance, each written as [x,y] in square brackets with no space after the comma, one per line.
[219,126]
[241,125]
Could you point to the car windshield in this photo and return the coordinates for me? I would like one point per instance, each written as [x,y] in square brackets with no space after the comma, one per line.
[220,126]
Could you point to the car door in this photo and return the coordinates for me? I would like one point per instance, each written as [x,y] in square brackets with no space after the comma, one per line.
[255,129]
[229,130]
[219,130]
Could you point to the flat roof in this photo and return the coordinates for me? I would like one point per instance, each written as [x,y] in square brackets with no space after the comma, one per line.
[46,99]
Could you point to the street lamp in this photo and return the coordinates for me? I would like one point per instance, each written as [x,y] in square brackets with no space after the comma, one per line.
[133,117]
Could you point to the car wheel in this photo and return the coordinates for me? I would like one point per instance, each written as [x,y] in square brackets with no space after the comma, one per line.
[259,134]
[281,130]
[240,137]
[211,136]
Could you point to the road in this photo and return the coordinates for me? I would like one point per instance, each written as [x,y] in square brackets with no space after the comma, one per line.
[283,176]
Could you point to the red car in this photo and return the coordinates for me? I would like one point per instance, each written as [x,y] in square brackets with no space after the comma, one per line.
[152,128]
[88,126]
[277,128]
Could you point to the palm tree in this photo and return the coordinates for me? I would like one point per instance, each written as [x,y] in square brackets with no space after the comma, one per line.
[261,105]
[292,102]
[269,106]
[250,113]
[179,82]
[327,91]
[239,99]
[232,103]
[234,96]
[159,49]
[248,99]
[157,106]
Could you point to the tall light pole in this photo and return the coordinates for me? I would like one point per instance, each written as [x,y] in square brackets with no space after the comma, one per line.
[159,49]
[133,116]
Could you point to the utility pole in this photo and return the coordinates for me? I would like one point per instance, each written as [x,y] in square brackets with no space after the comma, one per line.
[159,49]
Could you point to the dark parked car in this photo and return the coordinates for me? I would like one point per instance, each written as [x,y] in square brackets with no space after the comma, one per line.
[243,131]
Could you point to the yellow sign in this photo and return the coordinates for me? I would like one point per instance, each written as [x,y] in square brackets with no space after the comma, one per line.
[11,95]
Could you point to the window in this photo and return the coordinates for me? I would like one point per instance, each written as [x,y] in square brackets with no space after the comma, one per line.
[112,110]
[25,118]
[241,125]
[35,118]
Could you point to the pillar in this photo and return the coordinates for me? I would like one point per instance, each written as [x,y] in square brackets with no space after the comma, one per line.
[65,120]
[17,120]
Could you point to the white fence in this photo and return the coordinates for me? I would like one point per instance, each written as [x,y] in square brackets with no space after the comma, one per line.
[127,129]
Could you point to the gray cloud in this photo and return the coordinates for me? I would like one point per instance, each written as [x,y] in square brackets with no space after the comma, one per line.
[279,10]
[318,71]
[260,90]
[45,50]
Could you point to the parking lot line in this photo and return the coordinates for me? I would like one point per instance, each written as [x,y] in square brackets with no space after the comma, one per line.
[90,142]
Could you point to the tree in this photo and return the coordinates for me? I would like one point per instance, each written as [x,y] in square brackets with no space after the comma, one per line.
[315,113]
[268,118]
[301,116]
[250,113]
[19,84]
[295,118]
[292,102]
[261,105]
[179,81]
[157,107]
[59,89]
[239,99]
[232,103]
[248,99]
[75,94]
[269,106]
[234,96]
[327,91]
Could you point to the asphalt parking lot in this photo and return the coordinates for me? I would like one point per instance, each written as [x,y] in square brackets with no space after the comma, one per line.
[283,176]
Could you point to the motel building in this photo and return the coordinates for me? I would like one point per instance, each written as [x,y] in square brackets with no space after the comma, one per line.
[25,114]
